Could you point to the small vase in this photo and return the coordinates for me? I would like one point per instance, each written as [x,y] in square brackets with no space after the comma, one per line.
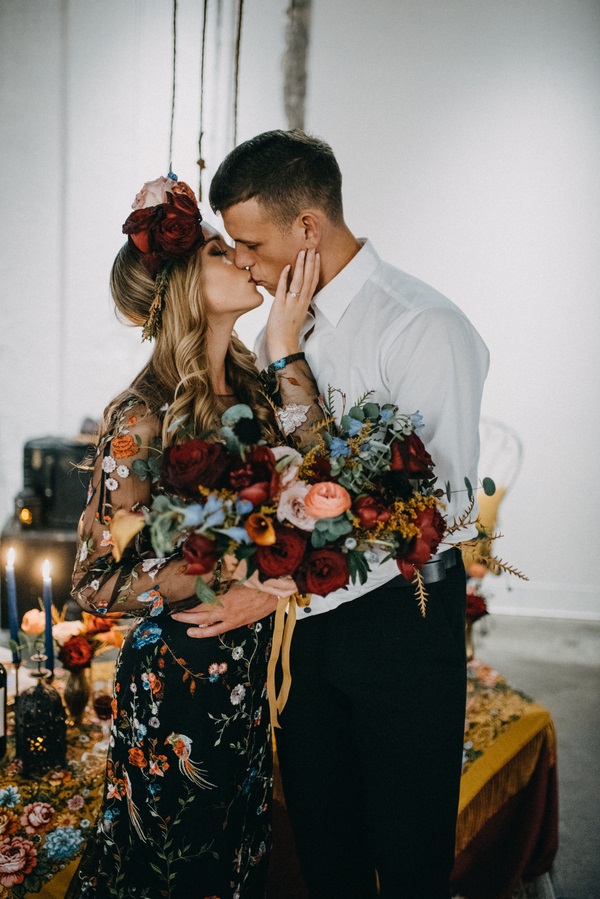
[469,641]
[76,694]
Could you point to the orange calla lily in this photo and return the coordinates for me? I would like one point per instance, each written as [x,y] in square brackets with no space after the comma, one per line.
[123,528]
[260,529]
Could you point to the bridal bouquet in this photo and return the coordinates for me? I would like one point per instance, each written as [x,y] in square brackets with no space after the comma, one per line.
[364,493]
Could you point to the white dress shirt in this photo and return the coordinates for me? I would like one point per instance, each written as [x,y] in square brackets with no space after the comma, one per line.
[378,329]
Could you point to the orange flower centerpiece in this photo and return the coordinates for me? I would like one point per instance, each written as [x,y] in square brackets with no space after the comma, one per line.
[79,642]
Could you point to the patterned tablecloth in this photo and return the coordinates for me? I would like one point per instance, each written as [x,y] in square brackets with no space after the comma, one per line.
[507,822]
[44,821]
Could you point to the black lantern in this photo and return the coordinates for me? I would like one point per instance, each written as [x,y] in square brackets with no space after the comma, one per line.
[40,730]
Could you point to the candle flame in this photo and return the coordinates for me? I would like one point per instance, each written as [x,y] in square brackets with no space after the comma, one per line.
[46,570]
[11,557]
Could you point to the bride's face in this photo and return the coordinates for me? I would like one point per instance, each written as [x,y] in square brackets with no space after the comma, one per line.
[226,290]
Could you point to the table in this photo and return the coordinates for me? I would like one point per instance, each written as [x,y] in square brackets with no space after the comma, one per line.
[507,825]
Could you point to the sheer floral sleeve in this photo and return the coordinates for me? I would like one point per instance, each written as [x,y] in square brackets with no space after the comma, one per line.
[295,393]
[124,476]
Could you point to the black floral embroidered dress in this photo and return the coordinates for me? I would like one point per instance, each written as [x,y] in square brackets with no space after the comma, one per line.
[186,808]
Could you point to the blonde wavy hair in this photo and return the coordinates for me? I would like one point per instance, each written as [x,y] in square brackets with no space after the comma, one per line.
[178,372]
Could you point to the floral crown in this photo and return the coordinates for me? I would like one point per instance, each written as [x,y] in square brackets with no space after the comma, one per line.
[165,226]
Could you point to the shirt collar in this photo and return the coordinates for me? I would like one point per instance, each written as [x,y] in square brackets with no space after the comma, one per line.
[333,299]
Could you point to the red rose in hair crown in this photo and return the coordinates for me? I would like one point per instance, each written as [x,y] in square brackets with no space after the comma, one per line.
[166,222]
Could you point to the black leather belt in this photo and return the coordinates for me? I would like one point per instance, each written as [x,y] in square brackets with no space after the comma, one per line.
[435,570]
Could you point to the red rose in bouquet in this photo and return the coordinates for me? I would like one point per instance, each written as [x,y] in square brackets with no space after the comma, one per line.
[257,494]
[76,653]
[257,467]
[410,457]
[282,557]
[370,511]
[323,571]
[321,470]
[200,553]
[187,465]
[432,526]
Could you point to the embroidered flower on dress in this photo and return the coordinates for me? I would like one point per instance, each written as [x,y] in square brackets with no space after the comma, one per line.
[153,566]
[153,722]
[123,471]
[108,464]
[237,652]
[83,552]
[237,694]
[291,416]
[95,585]
[106,539]
[111,484]
[213,668]
[223,667]
[154,599]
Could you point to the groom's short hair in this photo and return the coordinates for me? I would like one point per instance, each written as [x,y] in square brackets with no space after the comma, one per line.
[286,171]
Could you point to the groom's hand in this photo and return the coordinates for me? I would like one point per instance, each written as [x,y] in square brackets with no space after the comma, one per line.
[239,606]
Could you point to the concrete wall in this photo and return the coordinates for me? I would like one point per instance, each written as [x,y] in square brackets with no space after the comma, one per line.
[468,133]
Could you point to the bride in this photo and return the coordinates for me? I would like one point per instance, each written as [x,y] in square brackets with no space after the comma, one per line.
[186,806]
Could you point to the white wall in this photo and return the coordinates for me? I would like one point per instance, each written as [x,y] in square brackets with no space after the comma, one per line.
[468,133]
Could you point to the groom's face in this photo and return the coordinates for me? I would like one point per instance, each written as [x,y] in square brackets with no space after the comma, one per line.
[260,244]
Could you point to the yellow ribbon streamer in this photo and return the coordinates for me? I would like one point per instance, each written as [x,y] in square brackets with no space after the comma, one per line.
[283,629]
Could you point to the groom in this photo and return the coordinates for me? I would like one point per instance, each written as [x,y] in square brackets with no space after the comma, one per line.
[371,741]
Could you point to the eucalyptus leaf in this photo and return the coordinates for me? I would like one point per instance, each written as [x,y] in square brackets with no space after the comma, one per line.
[318,539]
[357,412]
[154,466]
[448,491]
[140,469]
[489,488]
[469,488]
[205,594]
[371,410]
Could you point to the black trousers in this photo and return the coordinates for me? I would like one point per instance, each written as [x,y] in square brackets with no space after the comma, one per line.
[370,747]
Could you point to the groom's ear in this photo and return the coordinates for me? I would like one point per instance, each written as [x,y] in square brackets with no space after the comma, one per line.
[312,228]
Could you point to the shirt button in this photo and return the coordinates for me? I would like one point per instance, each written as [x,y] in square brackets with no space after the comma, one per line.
[307,609]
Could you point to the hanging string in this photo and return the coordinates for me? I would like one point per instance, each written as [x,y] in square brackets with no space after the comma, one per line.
[173,86]
[201,163]
[238,42]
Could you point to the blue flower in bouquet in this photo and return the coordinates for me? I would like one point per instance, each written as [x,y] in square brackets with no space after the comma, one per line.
[193,515]
[9,797]
[417,421]
[63,843]
[240,535]
[243,506]
[355,427]
[146,632]
[387,414]
[213,512]
[339,447]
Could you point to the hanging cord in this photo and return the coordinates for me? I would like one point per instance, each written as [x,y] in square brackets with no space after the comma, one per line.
[238,42]
[173,86]
[201,163]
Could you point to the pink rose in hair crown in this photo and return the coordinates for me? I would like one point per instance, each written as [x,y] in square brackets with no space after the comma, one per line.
[153,193]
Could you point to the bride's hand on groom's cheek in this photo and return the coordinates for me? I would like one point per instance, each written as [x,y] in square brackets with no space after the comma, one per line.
[290,304]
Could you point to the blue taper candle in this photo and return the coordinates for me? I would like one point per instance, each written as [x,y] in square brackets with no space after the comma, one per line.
[13,614]
[47,599]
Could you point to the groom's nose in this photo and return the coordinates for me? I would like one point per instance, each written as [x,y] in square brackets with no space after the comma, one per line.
[242,258]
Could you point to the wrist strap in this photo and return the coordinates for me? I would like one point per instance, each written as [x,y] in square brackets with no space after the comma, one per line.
[285,360]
